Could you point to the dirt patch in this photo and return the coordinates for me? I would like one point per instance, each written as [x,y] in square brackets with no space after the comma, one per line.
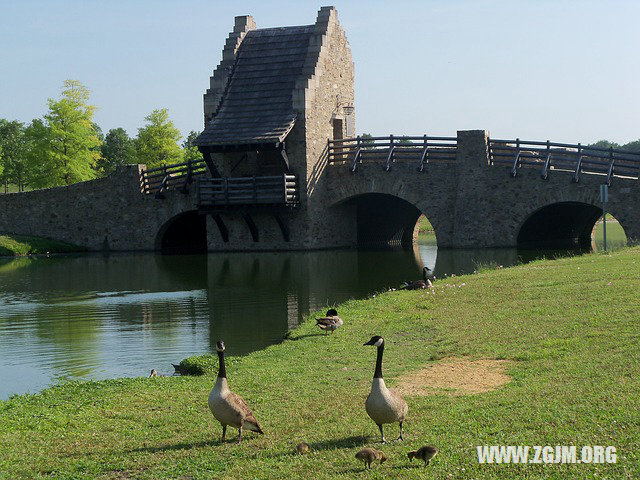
[456,376]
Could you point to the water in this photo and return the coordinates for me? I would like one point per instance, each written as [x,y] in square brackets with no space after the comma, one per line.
[95,317]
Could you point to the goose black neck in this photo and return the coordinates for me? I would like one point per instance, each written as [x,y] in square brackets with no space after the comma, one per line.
[222,372]
[378,372]
[424,275]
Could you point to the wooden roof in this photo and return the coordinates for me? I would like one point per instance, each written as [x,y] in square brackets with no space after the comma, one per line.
[257,104]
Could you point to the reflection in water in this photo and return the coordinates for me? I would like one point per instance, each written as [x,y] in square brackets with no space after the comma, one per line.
[93,316]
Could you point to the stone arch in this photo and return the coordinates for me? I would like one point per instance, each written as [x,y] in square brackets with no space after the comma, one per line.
[385,220]
[567,223]
[183,233]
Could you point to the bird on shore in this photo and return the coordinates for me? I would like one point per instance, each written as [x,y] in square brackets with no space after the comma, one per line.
[370,455]
[303,448]
[154,373]
[427,278]
[384,405]
[331,322]
[227,407]
[425,454]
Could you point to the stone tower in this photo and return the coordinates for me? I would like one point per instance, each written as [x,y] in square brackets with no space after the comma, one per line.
[276,98]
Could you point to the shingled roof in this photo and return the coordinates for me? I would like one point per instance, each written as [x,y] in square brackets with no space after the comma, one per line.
[257,104]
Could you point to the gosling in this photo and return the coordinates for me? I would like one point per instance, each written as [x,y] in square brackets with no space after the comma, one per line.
[303,448]
[425,454]
[370,455]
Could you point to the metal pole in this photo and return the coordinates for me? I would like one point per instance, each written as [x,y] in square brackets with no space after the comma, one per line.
[604,224]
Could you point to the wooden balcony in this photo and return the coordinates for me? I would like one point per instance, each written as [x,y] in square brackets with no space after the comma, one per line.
[223,193]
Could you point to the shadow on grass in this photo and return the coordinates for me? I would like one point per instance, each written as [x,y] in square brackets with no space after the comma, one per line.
[307,335]
[349,442]
[179,446]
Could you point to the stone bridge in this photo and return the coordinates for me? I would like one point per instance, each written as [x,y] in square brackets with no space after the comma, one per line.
[282,169]
[470,198]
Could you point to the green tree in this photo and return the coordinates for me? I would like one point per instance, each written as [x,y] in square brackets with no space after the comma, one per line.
[191,152]
[73,140]
[118,149]
[157,142]
[13,145]
[37,163]
[632,146]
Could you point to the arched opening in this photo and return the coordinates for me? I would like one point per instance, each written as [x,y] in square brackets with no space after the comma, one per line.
[385,221]
[184,234]
[563,225]
[616,236]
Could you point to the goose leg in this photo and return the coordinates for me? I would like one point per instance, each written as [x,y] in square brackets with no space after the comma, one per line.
[240,434]
[382,433]
[400,437]
[224,432]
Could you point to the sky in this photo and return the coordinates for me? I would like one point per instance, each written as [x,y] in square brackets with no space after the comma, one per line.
[561,70]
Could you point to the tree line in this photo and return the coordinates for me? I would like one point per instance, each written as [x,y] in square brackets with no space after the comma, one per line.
[66,146]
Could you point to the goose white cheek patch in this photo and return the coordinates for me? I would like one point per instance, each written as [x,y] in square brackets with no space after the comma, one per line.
[378,343]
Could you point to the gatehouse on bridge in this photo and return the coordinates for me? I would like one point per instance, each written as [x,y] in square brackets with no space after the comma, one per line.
[283,169]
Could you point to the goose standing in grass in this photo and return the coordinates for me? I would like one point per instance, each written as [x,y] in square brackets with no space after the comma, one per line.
[425,454]
[427,277]
[227,407]
[384,405]
[331,322]
[370,455]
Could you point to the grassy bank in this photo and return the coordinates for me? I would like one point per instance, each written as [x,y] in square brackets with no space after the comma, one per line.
[569,329]
[16,245]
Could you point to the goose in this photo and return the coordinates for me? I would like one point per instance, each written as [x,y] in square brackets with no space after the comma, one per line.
[303,448]
[384,405]
[427,277]
[154,373]
[425,454]
[331,322]
[370,455]
[227,407]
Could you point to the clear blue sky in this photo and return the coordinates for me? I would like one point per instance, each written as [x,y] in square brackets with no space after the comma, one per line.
[564,70]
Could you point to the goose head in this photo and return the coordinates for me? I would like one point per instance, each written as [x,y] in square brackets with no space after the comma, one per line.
[332,312]
[220,346]
[376,341]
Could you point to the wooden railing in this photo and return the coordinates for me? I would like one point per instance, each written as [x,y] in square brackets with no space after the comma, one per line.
[552,156]
[279,190]
[391,149]
[178,175]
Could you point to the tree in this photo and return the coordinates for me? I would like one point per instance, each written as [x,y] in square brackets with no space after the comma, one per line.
[13,145]
[37,161]
[157,142]
[118,149]
[73,140]
[191,152]
[632,146]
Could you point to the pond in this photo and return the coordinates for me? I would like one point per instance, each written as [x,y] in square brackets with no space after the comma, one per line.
[96,317]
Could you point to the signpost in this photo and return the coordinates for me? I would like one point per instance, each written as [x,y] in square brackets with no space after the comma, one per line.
[604,197]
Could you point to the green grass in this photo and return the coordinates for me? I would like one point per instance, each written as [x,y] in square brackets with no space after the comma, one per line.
[616,237]
[569,326]
[17,245]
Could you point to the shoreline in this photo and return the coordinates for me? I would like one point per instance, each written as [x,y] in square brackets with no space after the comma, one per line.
[565,357]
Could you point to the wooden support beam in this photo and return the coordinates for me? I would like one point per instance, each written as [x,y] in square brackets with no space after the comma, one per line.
[252,226]
[284,227]
[547,162]
[576,174]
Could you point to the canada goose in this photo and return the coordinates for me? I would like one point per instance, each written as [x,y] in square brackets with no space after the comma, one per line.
[303,448]
[154,373]
[178,369]
[370,455]
[331,322]
[424,453]
[227,407]
[384,405]
[427,277]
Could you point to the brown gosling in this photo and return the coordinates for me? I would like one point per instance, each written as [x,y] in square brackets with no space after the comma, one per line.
[303,448]
[154,373]
[425,454]
[370,455]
